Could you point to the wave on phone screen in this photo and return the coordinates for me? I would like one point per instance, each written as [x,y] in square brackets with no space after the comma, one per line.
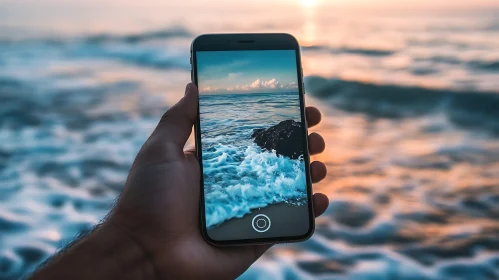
[251,134]
[238,174]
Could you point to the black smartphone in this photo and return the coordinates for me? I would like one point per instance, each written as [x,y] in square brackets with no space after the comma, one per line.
[251,139]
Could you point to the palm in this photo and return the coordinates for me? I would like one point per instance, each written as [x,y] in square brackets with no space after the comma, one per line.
[173,215]
[159,207]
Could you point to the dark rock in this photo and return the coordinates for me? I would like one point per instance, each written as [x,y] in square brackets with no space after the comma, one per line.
[286,138]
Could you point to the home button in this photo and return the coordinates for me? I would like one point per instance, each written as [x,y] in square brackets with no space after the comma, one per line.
[261,223]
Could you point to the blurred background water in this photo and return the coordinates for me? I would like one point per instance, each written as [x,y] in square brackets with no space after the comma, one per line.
[409,94]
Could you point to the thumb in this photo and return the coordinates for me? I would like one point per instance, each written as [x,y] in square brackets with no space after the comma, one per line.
[174,128]
[175,125]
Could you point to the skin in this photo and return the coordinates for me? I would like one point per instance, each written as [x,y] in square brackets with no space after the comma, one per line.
[154,230]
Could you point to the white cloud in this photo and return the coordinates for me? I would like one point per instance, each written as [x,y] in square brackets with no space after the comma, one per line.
[257,84]
[272,83]
[208,89]
[292,85]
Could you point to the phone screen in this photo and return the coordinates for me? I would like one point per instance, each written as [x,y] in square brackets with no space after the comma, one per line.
[252,144]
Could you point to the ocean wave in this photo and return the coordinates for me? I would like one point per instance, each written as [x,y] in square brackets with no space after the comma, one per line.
[26,104]
[237,181]
[145,36]
[349,50]
[489,66]
[173,32]
[466,109]
[64,156]
[144,55]
[485,65]
[139,49]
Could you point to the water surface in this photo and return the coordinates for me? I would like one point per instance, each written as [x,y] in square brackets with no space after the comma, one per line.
[409,102]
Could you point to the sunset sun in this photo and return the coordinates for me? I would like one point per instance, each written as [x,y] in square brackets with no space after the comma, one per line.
[309,3]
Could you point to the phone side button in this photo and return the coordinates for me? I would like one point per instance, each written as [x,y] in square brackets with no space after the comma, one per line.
[302,81]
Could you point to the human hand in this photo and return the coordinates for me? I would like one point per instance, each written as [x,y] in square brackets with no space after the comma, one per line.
[154,230]
[159,207]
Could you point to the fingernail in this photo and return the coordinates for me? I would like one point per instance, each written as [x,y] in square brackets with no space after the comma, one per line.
[187,88]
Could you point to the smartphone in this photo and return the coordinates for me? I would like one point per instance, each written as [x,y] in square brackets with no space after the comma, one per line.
[251,139]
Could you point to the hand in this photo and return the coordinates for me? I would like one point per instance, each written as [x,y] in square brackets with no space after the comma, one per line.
[153,232]
[159,207]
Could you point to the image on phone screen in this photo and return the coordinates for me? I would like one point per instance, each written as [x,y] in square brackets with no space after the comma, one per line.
[252,144]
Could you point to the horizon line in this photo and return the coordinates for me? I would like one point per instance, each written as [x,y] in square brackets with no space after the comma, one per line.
[240,93]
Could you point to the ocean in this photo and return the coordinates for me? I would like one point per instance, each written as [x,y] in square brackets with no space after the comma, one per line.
[410,119]
[238,175]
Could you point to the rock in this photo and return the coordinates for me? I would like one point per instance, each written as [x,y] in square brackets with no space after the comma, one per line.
[286,138]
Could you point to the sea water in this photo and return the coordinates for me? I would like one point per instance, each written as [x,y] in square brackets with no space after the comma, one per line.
[238,175]
[410,120]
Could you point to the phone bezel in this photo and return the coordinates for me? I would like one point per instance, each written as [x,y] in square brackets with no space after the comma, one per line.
[255,41]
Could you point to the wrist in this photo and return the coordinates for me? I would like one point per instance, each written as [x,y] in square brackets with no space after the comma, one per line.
[106,253]
[127,253]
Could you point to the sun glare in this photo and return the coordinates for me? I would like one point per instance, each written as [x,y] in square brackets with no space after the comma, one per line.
[309,3]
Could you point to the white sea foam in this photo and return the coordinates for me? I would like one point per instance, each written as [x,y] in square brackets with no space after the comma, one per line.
[260,179]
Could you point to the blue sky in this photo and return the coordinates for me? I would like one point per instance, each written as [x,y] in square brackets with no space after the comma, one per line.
[247,71]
